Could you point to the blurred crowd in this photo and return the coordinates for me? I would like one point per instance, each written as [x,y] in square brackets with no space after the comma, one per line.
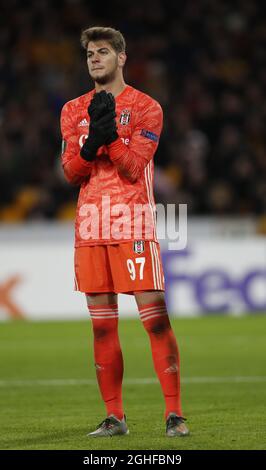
[203,60]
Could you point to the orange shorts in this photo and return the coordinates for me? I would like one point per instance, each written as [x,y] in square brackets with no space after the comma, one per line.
[120,268]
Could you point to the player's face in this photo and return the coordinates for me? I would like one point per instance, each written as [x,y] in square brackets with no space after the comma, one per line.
[103,62]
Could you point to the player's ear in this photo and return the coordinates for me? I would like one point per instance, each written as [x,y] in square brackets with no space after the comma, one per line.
[122,59]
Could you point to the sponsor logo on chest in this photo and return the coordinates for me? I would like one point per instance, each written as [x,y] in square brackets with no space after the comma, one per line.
[83,122]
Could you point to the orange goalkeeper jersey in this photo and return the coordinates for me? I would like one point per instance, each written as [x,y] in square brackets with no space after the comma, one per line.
[116,202]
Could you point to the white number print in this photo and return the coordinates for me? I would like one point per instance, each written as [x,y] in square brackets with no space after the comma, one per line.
[132,270]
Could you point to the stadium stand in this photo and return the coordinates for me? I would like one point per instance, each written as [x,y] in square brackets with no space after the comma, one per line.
[203,61]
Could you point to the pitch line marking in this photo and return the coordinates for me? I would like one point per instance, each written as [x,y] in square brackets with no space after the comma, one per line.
[133,381]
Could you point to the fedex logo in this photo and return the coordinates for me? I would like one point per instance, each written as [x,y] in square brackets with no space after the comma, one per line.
[214,289]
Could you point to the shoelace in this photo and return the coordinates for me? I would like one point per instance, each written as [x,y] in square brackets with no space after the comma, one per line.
[107,422]
[175,420]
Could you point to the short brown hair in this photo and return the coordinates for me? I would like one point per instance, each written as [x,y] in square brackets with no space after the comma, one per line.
[99,33]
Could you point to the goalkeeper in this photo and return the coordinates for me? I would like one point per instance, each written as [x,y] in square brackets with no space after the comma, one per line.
[110,136]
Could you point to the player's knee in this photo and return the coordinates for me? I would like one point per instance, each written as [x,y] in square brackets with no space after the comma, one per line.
[100,333]
[103,329]
[158,327]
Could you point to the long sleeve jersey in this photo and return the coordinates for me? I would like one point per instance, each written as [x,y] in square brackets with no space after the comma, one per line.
[116,202]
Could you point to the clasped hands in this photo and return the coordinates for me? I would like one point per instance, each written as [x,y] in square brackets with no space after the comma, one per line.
[102,129]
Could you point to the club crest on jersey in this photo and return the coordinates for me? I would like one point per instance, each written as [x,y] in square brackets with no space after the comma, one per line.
[139,246]
[125,117]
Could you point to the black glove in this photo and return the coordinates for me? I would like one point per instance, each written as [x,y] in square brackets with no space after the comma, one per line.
[102,128]
[101,104]
[100,132]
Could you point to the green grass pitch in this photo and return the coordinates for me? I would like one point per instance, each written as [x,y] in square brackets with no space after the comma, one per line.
[49,398]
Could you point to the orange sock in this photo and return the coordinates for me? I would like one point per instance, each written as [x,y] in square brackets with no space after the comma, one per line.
[108,356]
[164,352]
